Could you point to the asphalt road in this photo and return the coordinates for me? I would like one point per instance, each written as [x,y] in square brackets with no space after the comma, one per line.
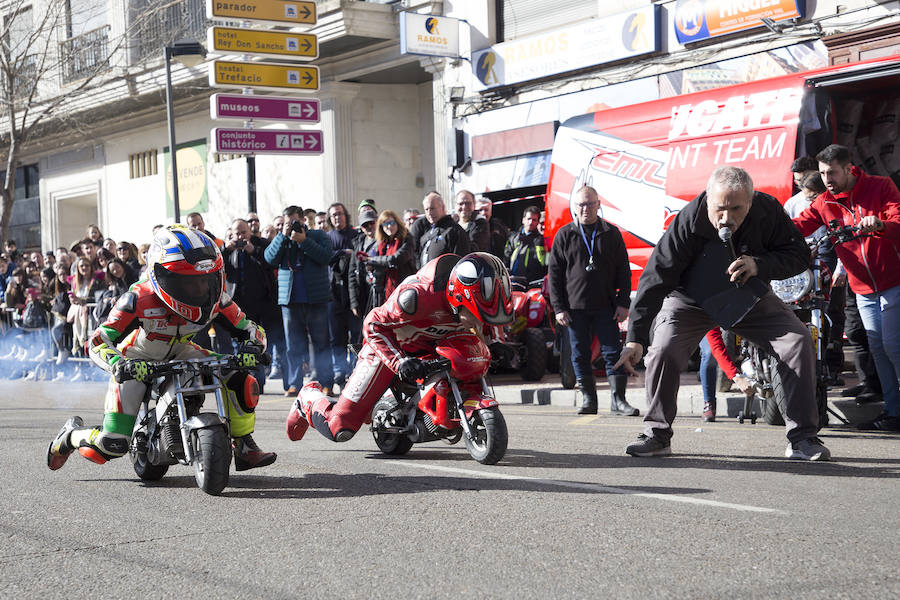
[565,514]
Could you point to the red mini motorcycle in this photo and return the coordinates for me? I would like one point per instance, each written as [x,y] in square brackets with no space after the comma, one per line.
[452,403]
[523,344]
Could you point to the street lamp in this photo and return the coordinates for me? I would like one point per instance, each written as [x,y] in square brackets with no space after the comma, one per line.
[190,54]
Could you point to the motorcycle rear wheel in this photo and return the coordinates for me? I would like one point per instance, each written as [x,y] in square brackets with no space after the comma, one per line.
[491,436]
[139,460]
[394,444]
[775,406]
[212,458]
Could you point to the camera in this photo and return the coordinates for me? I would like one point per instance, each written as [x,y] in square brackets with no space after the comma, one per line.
[298,227]
[239,244]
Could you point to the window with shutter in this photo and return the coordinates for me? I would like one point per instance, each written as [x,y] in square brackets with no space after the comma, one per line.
[521,18]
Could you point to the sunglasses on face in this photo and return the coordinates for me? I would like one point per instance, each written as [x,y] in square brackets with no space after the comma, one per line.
[391,223]
[253,220]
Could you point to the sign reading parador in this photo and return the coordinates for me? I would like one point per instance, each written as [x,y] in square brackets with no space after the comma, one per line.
[301,46]
[262,75]
[298,12]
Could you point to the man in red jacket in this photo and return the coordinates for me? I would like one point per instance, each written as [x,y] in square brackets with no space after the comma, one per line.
[873,204]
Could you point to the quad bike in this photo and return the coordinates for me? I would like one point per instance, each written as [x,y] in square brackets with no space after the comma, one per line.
[452,403]
[523,345]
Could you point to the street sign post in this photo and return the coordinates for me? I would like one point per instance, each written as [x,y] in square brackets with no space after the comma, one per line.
[259,42]
[266,141]
[247,107]
[262,75]
[297,12]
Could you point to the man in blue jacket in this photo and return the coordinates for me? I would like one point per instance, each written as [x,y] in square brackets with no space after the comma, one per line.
[302,256]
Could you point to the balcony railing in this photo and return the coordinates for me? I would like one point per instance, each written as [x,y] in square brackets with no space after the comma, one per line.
[84,55]
[154,29]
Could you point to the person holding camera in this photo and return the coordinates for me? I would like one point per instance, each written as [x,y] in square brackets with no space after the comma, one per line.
[301,256]
[250,282]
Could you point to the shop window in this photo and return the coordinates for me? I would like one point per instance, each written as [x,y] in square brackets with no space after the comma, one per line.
[142,164]
[520,18]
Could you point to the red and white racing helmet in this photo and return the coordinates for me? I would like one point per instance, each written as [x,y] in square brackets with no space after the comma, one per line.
[186,271]
[480,282]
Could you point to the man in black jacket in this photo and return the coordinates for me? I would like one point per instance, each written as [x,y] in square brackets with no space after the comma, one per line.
[590,284]
[472,223]
[250,282]
[694,282]
[498,229]
[343,324]
[437,233]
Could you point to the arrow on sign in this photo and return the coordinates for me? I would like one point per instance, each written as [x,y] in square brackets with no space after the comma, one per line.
[305,12]
[306,44]
[313,142]
[307,76]
[309,110]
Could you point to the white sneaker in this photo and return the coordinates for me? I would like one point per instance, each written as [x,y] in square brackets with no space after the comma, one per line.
[808,449]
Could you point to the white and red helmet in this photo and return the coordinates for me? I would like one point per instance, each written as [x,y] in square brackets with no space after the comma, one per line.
[186,271]
[480,282]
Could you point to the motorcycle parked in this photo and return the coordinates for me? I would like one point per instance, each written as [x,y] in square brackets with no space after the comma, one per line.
[453,403]
[808,294]
[171,429]
[523,345]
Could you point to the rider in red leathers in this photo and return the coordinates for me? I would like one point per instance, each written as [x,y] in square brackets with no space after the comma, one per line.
[447,295]
[154,321]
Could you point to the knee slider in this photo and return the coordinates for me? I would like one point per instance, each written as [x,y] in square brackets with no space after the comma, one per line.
[246,390]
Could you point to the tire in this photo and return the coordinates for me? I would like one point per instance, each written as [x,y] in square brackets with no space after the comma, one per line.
[393,444]
[139,460]
[776,405]
[535,363]
[566,370]
[491,436]
[212,459]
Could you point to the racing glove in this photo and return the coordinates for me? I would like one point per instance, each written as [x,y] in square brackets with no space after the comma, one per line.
[412,369]
[132,369]
[251,354]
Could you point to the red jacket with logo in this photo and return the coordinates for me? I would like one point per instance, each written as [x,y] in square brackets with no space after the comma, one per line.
[415,316]
[872,263]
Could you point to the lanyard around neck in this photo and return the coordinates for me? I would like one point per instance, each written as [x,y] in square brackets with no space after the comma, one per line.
[590,246]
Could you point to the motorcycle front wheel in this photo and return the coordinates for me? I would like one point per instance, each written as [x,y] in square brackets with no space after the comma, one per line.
[137,451]
[212,458]
[491,436]
[390,443]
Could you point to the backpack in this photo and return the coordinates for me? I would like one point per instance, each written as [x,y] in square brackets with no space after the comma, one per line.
[34,316]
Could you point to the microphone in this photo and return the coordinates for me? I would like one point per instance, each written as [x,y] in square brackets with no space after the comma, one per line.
[725,235]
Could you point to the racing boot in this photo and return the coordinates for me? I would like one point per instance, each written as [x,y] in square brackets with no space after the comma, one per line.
[588,390]
[247,454]
[61,447]
[617,404]
[298,420]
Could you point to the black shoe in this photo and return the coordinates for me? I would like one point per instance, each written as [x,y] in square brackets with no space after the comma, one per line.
[854,391]
[647,445]
[247,455]
[868,398]
[882,422]
[620,406]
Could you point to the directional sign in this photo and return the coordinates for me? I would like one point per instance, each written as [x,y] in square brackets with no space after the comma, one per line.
[302,46]
[266,141]
[263,108]
[297,12]
[262,75]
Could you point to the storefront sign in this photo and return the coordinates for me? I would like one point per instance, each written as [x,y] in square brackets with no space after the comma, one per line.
[591,43]
[300,46]
[298,12]
[429,35]
[261,75]
[697,20]
[265,141]
[263,108]
[192,192]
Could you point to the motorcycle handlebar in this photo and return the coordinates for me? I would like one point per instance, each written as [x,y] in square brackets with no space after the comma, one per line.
[228,362]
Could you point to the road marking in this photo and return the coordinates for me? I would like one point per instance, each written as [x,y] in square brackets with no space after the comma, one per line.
[593,487]
[585,420]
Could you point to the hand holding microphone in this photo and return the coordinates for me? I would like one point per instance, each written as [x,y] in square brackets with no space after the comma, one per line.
[741,268]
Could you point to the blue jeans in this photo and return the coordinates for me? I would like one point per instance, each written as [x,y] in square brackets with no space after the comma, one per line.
[708,372]
[880,314]
[585,325]
[298,318]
